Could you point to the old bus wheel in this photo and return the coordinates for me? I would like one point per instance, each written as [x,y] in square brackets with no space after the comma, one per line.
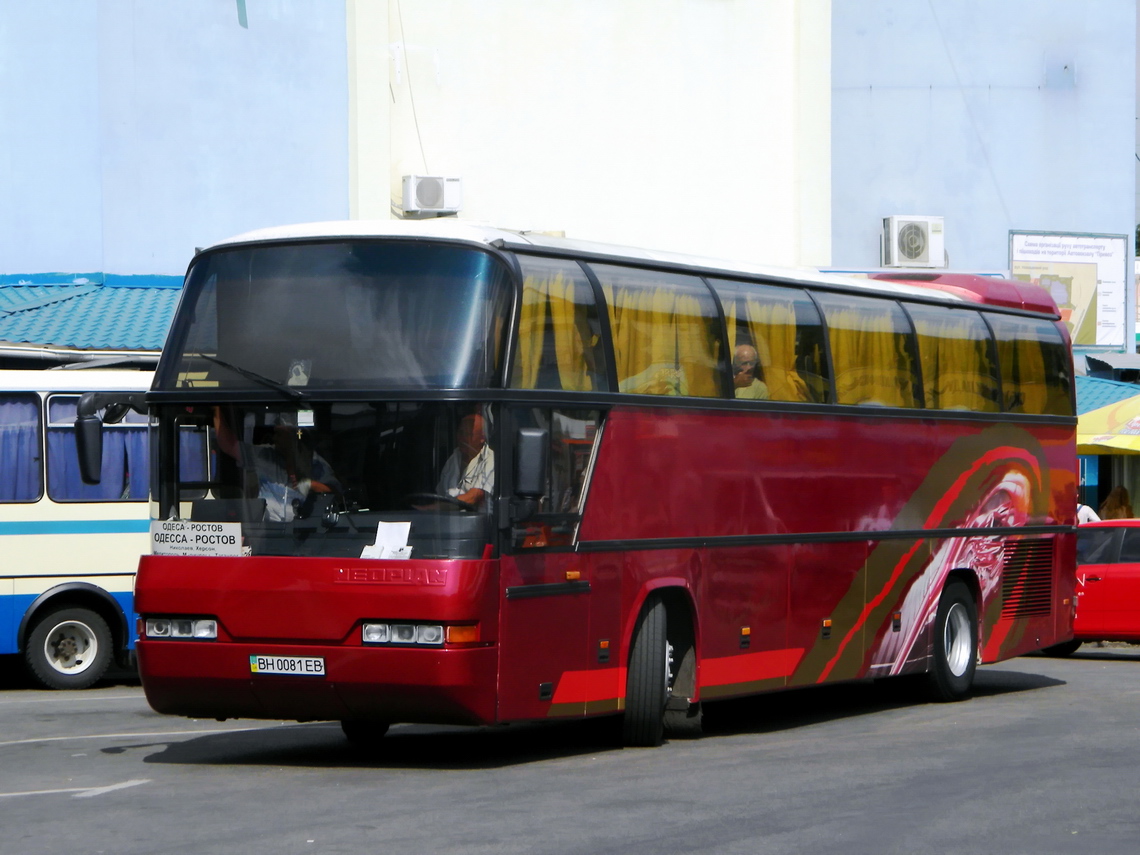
[364,734]
[647,679]
[69,649]
[955,652]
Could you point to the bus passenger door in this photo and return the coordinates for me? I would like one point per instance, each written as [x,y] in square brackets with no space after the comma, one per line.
[542,636]
[544,654]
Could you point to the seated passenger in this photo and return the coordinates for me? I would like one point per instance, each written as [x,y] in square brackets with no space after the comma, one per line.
[288,471]
[744,379]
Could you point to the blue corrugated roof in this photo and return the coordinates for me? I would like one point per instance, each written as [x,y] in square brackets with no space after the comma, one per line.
[1095,392]
[87,314]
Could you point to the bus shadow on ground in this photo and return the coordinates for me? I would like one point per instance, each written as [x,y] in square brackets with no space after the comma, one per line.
[322,745]
[819,704]
[405,747]
[14,676]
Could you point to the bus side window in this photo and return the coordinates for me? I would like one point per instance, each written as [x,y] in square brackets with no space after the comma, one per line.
[572,436]
[126,460]
[872,351]
[1035,372]
[665,329]
[20,448]
[959,368]
[559,333]
[783,325]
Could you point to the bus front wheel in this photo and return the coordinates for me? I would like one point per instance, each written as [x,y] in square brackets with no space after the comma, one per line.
[647,681]
[68,649]
[955,654]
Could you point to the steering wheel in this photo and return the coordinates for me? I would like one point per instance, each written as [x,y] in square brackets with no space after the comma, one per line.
[421,498]
[320,504]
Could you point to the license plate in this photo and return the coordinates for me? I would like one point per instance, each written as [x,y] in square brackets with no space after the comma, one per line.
[300,666]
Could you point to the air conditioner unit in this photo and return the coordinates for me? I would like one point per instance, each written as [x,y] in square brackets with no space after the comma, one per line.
[913,241]
[432,194]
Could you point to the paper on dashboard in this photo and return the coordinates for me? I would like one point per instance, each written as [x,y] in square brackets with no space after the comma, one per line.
[391,541]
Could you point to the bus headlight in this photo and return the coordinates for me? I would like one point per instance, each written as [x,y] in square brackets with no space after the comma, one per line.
[165,627]
[376,633]
[427,634]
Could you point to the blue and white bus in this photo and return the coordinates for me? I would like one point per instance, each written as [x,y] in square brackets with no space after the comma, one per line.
[70,550]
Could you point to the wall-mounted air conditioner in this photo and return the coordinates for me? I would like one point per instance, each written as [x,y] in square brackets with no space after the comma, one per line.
[432,194]
[913,241]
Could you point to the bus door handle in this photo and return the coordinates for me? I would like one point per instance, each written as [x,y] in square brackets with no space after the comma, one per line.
[1093,579]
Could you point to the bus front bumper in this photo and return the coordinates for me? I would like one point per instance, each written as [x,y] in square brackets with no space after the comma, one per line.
[217,680]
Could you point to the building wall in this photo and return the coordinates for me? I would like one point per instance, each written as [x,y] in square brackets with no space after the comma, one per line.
[695,125]
[141,130]
[135,131]
[997,116]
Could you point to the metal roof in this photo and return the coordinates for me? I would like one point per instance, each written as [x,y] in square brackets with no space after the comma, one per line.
[86,315]
[1095,392]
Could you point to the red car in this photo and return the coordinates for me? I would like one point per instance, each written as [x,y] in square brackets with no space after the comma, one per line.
[1108,584]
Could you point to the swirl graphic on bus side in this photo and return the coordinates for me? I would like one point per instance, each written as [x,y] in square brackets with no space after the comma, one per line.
[997,478]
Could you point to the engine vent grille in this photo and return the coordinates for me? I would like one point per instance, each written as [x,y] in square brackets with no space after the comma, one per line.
[1027,578]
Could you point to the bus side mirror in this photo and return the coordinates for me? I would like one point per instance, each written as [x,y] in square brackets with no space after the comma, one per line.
[89,439]
[532,450]
[89,427]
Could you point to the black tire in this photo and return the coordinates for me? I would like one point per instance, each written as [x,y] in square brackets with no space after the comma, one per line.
[1067,648]
[684,718]
[367,735]
[68,649]
[646,682]
[955,654]
[685,724]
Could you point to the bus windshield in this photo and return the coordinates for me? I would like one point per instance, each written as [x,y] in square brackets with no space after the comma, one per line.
[318,481]
[340,315]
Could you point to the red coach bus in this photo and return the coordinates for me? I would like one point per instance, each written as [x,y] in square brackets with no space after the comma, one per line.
[463,475]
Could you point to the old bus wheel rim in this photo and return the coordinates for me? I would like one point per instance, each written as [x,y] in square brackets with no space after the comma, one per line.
[956,640]
[71,647]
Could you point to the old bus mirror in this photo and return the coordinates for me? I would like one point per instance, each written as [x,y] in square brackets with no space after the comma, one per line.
[89,446]
[89,427]
[532,449]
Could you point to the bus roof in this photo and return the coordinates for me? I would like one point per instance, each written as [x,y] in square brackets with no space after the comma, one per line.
[951,289]
[75,379]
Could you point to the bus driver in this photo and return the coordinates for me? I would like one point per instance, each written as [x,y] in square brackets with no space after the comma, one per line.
[469,473]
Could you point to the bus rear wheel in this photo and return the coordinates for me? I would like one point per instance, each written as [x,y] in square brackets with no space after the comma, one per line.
[68,648]
[955,654]
[647,681]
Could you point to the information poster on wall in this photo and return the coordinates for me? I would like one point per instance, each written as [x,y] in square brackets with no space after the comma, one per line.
[1087,276]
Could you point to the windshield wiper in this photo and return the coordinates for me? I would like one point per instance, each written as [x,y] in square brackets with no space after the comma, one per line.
[290,391]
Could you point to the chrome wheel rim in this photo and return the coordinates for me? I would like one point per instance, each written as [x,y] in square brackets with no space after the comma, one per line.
[956,641]
[71,647]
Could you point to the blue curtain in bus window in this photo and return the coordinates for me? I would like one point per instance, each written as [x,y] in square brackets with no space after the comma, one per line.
[125,472]
[192,456]
[20,448]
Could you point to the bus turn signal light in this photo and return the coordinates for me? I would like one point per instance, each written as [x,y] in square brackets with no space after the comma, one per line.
[464,633]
